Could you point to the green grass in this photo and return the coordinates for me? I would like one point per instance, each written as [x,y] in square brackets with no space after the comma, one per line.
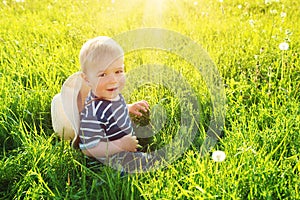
[40,43]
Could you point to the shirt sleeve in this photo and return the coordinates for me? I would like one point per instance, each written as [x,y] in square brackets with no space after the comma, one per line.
[91,133]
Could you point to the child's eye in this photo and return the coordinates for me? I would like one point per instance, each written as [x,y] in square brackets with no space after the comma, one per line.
[119,71]
[102,75]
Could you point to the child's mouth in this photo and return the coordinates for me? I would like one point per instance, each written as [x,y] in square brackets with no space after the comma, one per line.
[112,89]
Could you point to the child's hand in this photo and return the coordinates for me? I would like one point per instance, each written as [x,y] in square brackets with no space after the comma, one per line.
[136,107]
[129,143]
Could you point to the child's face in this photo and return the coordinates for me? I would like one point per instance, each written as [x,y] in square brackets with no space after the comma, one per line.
[107,82]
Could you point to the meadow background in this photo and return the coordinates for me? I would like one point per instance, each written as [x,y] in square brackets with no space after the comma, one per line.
[40,41]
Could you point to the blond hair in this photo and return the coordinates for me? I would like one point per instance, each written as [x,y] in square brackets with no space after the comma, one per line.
[99,51]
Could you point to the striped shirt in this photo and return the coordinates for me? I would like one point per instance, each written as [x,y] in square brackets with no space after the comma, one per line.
[103,120]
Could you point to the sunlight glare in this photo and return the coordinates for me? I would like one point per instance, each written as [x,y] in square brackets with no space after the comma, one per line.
[153,13]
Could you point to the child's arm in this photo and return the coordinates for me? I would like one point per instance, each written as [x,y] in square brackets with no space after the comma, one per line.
[126,143]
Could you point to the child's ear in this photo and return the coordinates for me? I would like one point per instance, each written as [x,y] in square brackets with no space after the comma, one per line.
[85,78]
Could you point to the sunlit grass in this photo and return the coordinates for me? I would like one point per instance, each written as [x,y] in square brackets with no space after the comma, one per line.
[40,42]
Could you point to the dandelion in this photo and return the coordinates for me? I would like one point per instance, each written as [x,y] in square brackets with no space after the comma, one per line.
[218,156]
[221,1]
[251,22]
[20,1]
[273,11]
[240,6]
[271,1]
[282,14]
[195,3]
[283,46]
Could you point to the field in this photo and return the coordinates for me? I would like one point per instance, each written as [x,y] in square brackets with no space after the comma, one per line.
[254,45]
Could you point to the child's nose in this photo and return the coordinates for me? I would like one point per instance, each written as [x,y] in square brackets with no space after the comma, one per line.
[113,78]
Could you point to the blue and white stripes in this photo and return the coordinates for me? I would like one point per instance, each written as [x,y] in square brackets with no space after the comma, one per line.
[103,120]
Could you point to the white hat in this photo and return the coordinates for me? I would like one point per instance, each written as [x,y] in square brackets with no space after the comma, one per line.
[66,107]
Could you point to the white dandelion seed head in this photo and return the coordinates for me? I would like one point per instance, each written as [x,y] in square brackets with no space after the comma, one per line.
[240,6]
[282,14]
[271,1]
[273,11]
[195,3]
[262,50]
[218,156]
[221,1]
[283,46]
[251,22]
